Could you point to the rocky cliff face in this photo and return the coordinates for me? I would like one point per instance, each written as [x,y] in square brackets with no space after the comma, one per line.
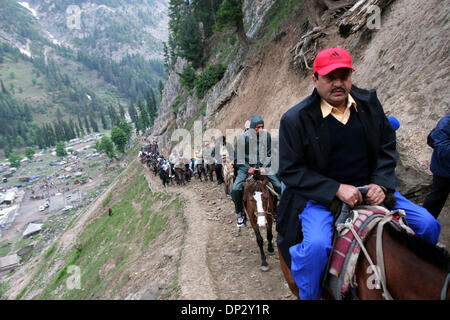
[133,27]
[406,60]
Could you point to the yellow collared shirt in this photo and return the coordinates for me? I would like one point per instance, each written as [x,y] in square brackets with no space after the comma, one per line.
[338,115]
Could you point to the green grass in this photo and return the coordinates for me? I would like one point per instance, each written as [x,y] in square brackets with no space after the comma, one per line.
[108,239]
[4,251]
[107,200]
[37,93]
[4,287]
[50,251]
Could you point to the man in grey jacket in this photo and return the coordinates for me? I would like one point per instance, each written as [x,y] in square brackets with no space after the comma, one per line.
[253,151]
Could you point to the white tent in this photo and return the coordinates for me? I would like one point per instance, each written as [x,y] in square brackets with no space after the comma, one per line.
[32,229]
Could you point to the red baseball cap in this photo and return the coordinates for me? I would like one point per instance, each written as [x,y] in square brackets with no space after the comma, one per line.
[331,59]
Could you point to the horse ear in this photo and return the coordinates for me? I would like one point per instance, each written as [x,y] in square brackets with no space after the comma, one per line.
[246,184]
[265,181]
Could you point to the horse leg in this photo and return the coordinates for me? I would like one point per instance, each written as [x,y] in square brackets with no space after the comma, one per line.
[288,275]
[199,172]
[269,236]
[260,241]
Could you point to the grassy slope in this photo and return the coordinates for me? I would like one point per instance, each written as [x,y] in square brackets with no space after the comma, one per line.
[122,238]
[35,94]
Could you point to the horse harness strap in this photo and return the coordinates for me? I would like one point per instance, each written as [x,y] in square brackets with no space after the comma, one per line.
[273,192]
[379,270]
[380,257]
[378,278]
[444,288]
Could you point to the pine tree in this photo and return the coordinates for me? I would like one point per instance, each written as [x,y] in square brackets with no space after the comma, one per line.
[133,114]
[230,13]
[189,41]
[143,115]
[113,116]
[103,120]
[59,114]
[86,125]
[93,123]
[75,128]
[80,125]
[121,112]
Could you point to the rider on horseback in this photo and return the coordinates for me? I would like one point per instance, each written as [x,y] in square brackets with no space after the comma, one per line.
[207,157]
[333,141]
[248,157]
[198,157]
[222,153]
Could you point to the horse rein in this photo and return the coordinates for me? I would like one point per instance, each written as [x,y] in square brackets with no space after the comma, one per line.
[379,269]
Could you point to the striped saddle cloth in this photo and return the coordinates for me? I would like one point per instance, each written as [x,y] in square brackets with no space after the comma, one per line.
[346,249]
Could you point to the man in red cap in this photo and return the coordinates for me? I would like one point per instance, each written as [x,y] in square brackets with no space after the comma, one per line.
[335,140]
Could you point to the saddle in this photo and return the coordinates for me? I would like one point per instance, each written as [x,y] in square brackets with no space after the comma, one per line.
[351,229]
[269,186]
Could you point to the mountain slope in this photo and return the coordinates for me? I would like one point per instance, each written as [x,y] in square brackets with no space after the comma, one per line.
[62,73]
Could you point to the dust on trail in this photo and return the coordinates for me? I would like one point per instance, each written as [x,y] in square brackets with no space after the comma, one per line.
[217,260]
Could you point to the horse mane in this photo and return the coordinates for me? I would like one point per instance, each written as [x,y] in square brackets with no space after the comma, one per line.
[424,249]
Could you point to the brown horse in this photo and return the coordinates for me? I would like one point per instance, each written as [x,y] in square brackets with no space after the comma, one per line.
[414,268]
[259,207]
[180,176]
[201,171]
[187,173]
[210,169]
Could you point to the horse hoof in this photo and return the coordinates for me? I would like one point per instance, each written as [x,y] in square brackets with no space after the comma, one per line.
[265,268]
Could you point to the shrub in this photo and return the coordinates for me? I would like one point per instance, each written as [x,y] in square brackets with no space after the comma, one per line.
[187,77]
[207,79]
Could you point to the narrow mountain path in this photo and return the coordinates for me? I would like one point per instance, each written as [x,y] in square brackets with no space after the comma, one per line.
[218,261]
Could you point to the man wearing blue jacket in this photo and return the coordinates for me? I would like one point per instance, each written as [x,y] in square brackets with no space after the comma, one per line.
[335,140]
[253,150]
[439,140]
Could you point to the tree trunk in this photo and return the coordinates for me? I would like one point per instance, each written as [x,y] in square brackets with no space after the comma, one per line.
[358,16]
[240,29]
[241,33]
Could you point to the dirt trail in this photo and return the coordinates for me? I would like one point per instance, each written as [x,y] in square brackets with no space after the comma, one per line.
[218,261]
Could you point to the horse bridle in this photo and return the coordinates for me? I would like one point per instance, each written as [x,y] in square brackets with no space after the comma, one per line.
[266,212]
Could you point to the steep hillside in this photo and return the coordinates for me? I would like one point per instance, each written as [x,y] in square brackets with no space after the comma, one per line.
[59,71]
[406,60]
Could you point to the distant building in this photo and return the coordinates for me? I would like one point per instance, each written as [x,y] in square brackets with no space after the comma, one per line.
[9,262]
[9,197]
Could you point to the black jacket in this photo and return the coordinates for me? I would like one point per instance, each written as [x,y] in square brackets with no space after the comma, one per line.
[304,151]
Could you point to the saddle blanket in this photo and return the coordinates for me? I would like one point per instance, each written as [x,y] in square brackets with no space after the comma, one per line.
[346,249]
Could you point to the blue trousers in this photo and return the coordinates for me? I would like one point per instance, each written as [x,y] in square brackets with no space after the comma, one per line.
[309,258]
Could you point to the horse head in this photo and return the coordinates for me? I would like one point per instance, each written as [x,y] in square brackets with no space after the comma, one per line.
[257,201]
